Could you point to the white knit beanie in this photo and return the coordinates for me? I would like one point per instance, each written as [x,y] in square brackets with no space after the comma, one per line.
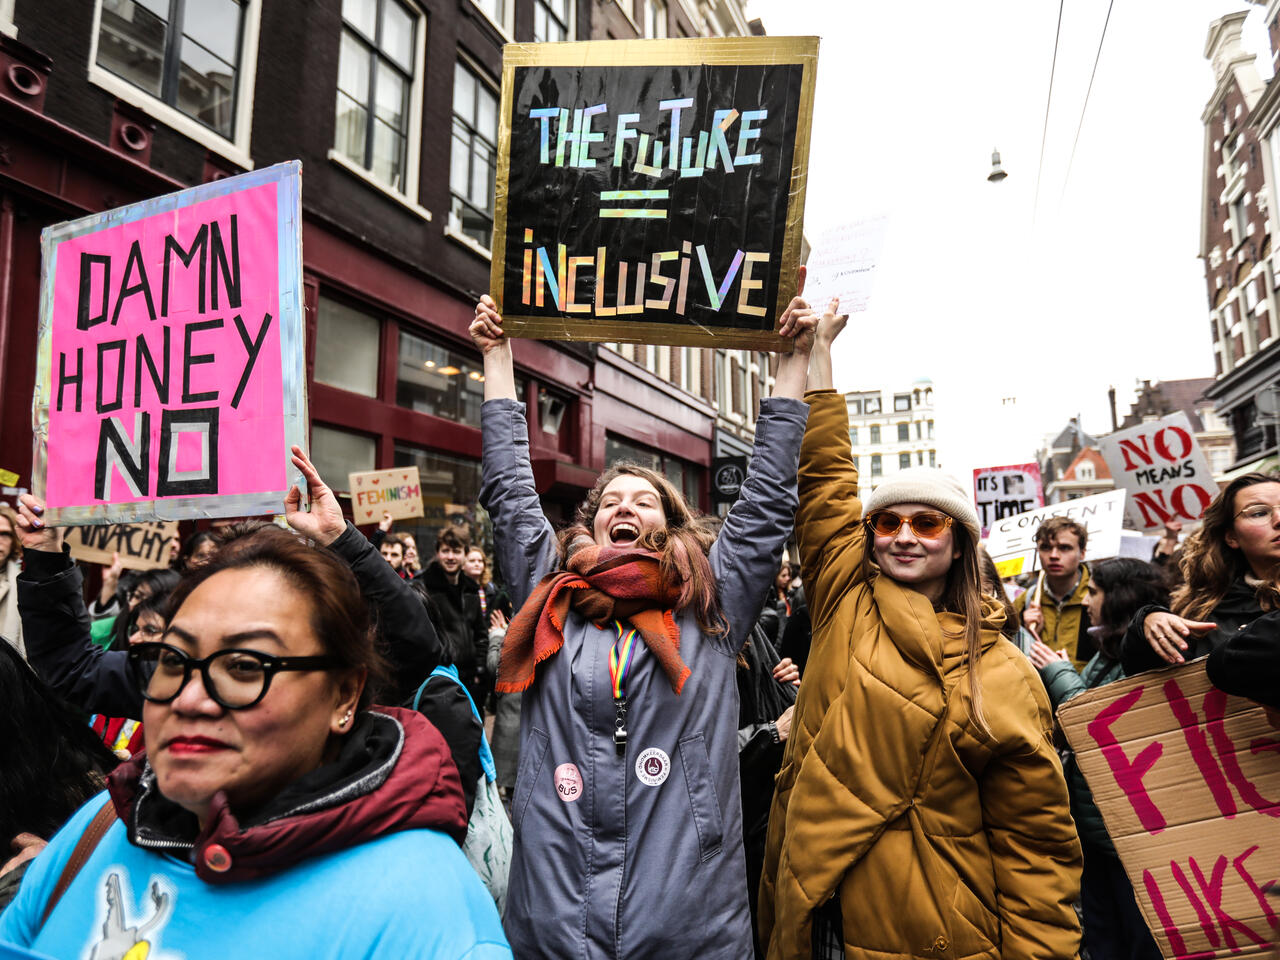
[931,486]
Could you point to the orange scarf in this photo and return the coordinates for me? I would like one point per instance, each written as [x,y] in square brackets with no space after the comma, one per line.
[601,584]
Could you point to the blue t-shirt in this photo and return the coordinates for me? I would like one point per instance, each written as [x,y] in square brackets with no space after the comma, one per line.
[406,895]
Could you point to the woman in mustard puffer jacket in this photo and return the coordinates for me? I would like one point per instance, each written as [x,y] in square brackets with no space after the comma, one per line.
[921,810]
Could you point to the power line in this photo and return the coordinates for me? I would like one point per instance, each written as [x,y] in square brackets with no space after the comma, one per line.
[1049,100]
[1080,126]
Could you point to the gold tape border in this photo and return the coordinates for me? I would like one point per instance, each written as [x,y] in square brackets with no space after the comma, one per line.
[713,51]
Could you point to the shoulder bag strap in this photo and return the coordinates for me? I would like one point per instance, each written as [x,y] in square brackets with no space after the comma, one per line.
[85,846]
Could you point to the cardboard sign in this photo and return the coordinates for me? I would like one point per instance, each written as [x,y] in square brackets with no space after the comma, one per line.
[1001,492]
[142,546]
[396,491]
[652,191]
[170,379]
[1012,543]
[843,264]
[1163,468]
[1188,782]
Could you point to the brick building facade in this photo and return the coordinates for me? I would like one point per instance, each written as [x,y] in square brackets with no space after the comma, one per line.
[392,107]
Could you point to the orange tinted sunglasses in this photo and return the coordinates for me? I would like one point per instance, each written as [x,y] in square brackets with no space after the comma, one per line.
[926,526]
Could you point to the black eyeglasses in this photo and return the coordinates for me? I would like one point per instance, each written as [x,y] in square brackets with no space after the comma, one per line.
[234,679]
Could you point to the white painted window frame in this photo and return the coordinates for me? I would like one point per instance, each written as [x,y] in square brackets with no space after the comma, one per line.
[451,229]
[413,143]
[7,25]
[573,21]
[507,27]
[235,149]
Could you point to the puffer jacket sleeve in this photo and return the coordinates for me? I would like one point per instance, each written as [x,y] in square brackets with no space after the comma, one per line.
[55,626]
[1062,682]
[410,641]
[1035,852]
[748,552]
[524,540]
[828,524]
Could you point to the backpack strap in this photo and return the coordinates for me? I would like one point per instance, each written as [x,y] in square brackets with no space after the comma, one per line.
[486,753]
[84,848]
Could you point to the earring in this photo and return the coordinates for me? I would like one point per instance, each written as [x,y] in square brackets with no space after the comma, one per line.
[345,720]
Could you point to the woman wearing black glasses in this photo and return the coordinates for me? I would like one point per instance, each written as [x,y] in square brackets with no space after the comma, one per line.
[921,809]
[271,790]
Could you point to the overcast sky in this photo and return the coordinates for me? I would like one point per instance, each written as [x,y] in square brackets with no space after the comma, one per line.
[1103,287]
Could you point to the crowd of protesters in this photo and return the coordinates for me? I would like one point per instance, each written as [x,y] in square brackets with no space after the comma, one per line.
[647,734]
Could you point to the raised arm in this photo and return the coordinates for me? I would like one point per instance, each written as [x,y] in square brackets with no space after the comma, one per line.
[524,541]
[829,521]
[408,638]
[745,557]
[55,625]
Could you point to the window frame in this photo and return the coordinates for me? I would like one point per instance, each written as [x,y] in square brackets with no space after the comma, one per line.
[571,28]
[8,26]
[456,232]
[408,197]
[236,148]
[507,26]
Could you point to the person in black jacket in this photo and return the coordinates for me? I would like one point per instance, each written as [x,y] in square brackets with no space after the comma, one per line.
[1247,664]
[56,622]
[463,630]
[1231,569]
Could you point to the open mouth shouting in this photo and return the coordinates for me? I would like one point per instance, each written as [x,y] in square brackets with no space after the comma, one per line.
[624,533]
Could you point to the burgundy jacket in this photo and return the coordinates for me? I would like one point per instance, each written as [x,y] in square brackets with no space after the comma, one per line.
[393,772]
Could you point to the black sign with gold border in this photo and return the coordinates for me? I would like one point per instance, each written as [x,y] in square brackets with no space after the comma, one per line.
[652,191]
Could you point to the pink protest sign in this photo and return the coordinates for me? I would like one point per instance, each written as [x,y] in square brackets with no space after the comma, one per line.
[170,379]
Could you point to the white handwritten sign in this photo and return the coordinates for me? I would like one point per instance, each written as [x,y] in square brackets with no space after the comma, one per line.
[1163,468]
[843,264]
[1012,543]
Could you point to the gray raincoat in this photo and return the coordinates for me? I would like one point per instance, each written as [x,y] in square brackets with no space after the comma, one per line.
[637,854]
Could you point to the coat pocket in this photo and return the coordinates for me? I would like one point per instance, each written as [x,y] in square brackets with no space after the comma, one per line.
[703,799]
[532,755]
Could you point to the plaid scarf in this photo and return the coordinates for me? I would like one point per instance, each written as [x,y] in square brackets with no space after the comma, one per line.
[601,584]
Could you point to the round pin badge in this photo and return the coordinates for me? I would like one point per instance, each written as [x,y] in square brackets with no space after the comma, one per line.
[653,766]
[568,782]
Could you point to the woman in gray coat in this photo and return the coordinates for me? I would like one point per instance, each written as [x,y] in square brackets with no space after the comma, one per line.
[626,809]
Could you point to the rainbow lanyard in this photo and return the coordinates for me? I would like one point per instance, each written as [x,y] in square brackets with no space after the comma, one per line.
[621,659]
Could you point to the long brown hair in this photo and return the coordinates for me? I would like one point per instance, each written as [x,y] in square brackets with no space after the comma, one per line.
[961,595]
[684,543]
[1209,565]
[991,575]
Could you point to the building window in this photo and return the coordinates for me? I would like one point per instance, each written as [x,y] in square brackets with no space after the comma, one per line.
[856,460]
[930,429]
[1086,471]
[904,461]
[439,381]
[347,347]
[550,21]
[901,401]
[653,18]
[933,458]
[1239,222]
[919,429]
[337,453]
[375,80]
[185,54]
[853,436]
[871,405]
[450,497]
[876,467]
[474,160]
[855,406]
[685,476]
[875,433]
[920,458]
[904,431]
[498,11]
